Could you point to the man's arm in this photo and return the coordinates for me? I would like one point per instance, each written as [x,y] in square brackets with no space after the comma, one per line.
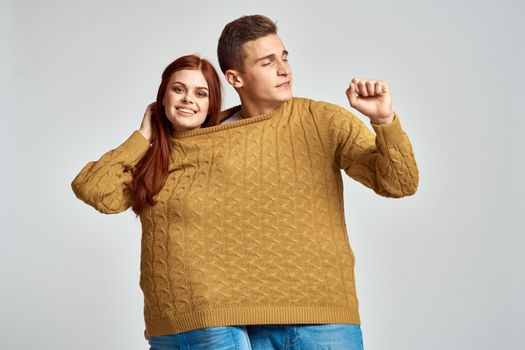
[383,161]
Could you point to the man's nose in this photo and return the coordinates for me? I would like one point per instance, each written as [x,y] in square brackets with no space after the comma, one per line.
[283,68]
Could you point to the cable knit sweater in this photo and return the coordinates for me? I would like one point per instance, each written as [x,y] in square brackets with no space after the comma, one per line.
[249,227]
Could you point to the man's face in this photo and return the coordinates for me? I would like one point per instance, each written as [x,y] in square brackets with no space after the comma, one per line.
[267,75]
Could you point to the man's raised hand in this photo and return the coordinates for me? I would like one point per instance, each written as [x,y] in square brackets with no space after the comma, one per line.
[371,98]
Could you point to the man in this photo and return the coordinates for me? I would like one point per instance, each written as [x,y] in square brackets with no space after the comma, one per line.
[255,62]
[291,279]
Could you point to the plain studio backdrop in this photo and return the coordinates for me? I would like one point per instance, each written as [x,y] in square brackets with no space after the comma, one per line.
[437,270]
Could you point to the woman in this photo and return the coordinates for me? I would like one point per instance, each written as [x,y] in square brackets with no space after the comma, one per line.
[134,174]
[189,97]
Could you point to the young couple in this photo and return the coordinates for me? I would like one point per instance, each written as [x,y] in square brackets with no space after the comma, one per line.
[244,241]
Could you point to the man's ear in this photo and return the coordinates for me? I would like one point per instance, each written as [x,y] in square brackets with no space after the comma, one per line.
[233,78]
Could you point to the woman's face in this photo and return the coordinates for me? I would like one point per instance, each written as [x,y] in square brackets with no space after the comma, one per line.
[186,99]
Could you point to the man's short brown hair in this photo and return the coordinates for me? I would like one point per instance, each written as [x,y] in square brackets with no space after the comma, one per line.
[235,34]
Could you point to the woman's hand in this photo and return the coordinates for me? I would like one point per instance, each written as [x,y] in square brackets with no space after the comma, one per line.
[145,126]
[146,335]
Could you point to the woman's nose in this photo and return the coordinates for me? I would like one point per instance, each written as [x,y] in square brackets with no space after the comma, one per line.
[186,98]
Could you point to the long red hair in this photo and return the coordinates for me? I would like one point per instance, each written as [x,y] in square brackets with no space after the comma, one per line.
[151,172]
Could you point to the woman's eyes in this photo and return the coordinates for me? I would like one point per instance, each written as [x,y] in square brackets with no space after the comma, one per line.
[179,90]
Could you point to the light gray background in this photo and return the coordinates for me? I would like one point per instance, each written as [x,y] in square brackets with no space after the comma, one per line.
[438,270]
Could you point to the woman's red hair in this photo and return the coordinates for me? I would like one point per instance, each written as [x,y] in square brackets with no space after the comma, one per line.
[151,172]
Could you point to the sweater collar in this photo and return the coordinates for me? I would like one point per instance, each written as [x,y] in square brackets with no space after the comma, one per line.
[225,114]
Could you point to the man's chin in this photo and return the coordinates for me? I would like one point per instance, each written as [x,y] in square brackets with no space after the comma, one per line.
[285,97]
[276,99]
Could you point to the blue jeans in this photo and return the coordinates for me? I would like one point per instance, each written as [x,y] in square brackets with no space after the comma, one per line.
[264,337]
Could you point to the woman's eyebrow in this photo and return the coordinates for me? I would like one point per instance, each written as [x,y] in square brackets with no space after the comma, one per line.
[197,87]
[178,82]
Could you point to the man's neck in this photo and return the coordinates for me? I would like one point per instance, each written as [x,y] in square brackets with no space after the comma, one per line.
[250,109]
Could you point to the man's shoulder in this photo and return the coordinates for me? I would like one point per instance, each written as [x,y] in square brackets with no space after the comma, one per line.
[317,106]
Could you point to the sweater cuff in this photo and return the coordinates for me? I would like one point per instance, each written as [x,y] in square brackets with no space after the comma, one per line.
[135,147]
[389,134]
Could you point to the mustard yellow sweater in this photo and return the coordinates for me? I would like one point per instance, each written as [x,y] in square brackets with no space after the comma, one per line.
[249,227]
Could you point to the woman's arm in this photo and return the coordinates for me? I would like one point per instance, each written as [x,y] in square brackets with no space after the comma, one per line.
[101,183]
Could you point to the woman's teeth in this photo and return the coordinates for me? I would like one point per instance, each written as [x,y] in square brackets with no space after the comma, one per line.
[185,110]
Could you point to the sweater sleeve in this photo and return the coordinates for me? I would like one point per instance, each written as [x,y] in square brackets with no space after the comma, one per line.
[383,161]
[101,183]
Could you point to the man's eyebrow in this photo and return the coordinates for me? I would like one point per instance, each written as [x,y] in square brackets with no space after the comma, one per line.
[196,87]
[270,56]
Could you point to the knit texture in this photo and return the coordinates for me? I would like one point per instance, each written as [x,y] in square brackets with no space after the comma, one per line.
[249,227]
